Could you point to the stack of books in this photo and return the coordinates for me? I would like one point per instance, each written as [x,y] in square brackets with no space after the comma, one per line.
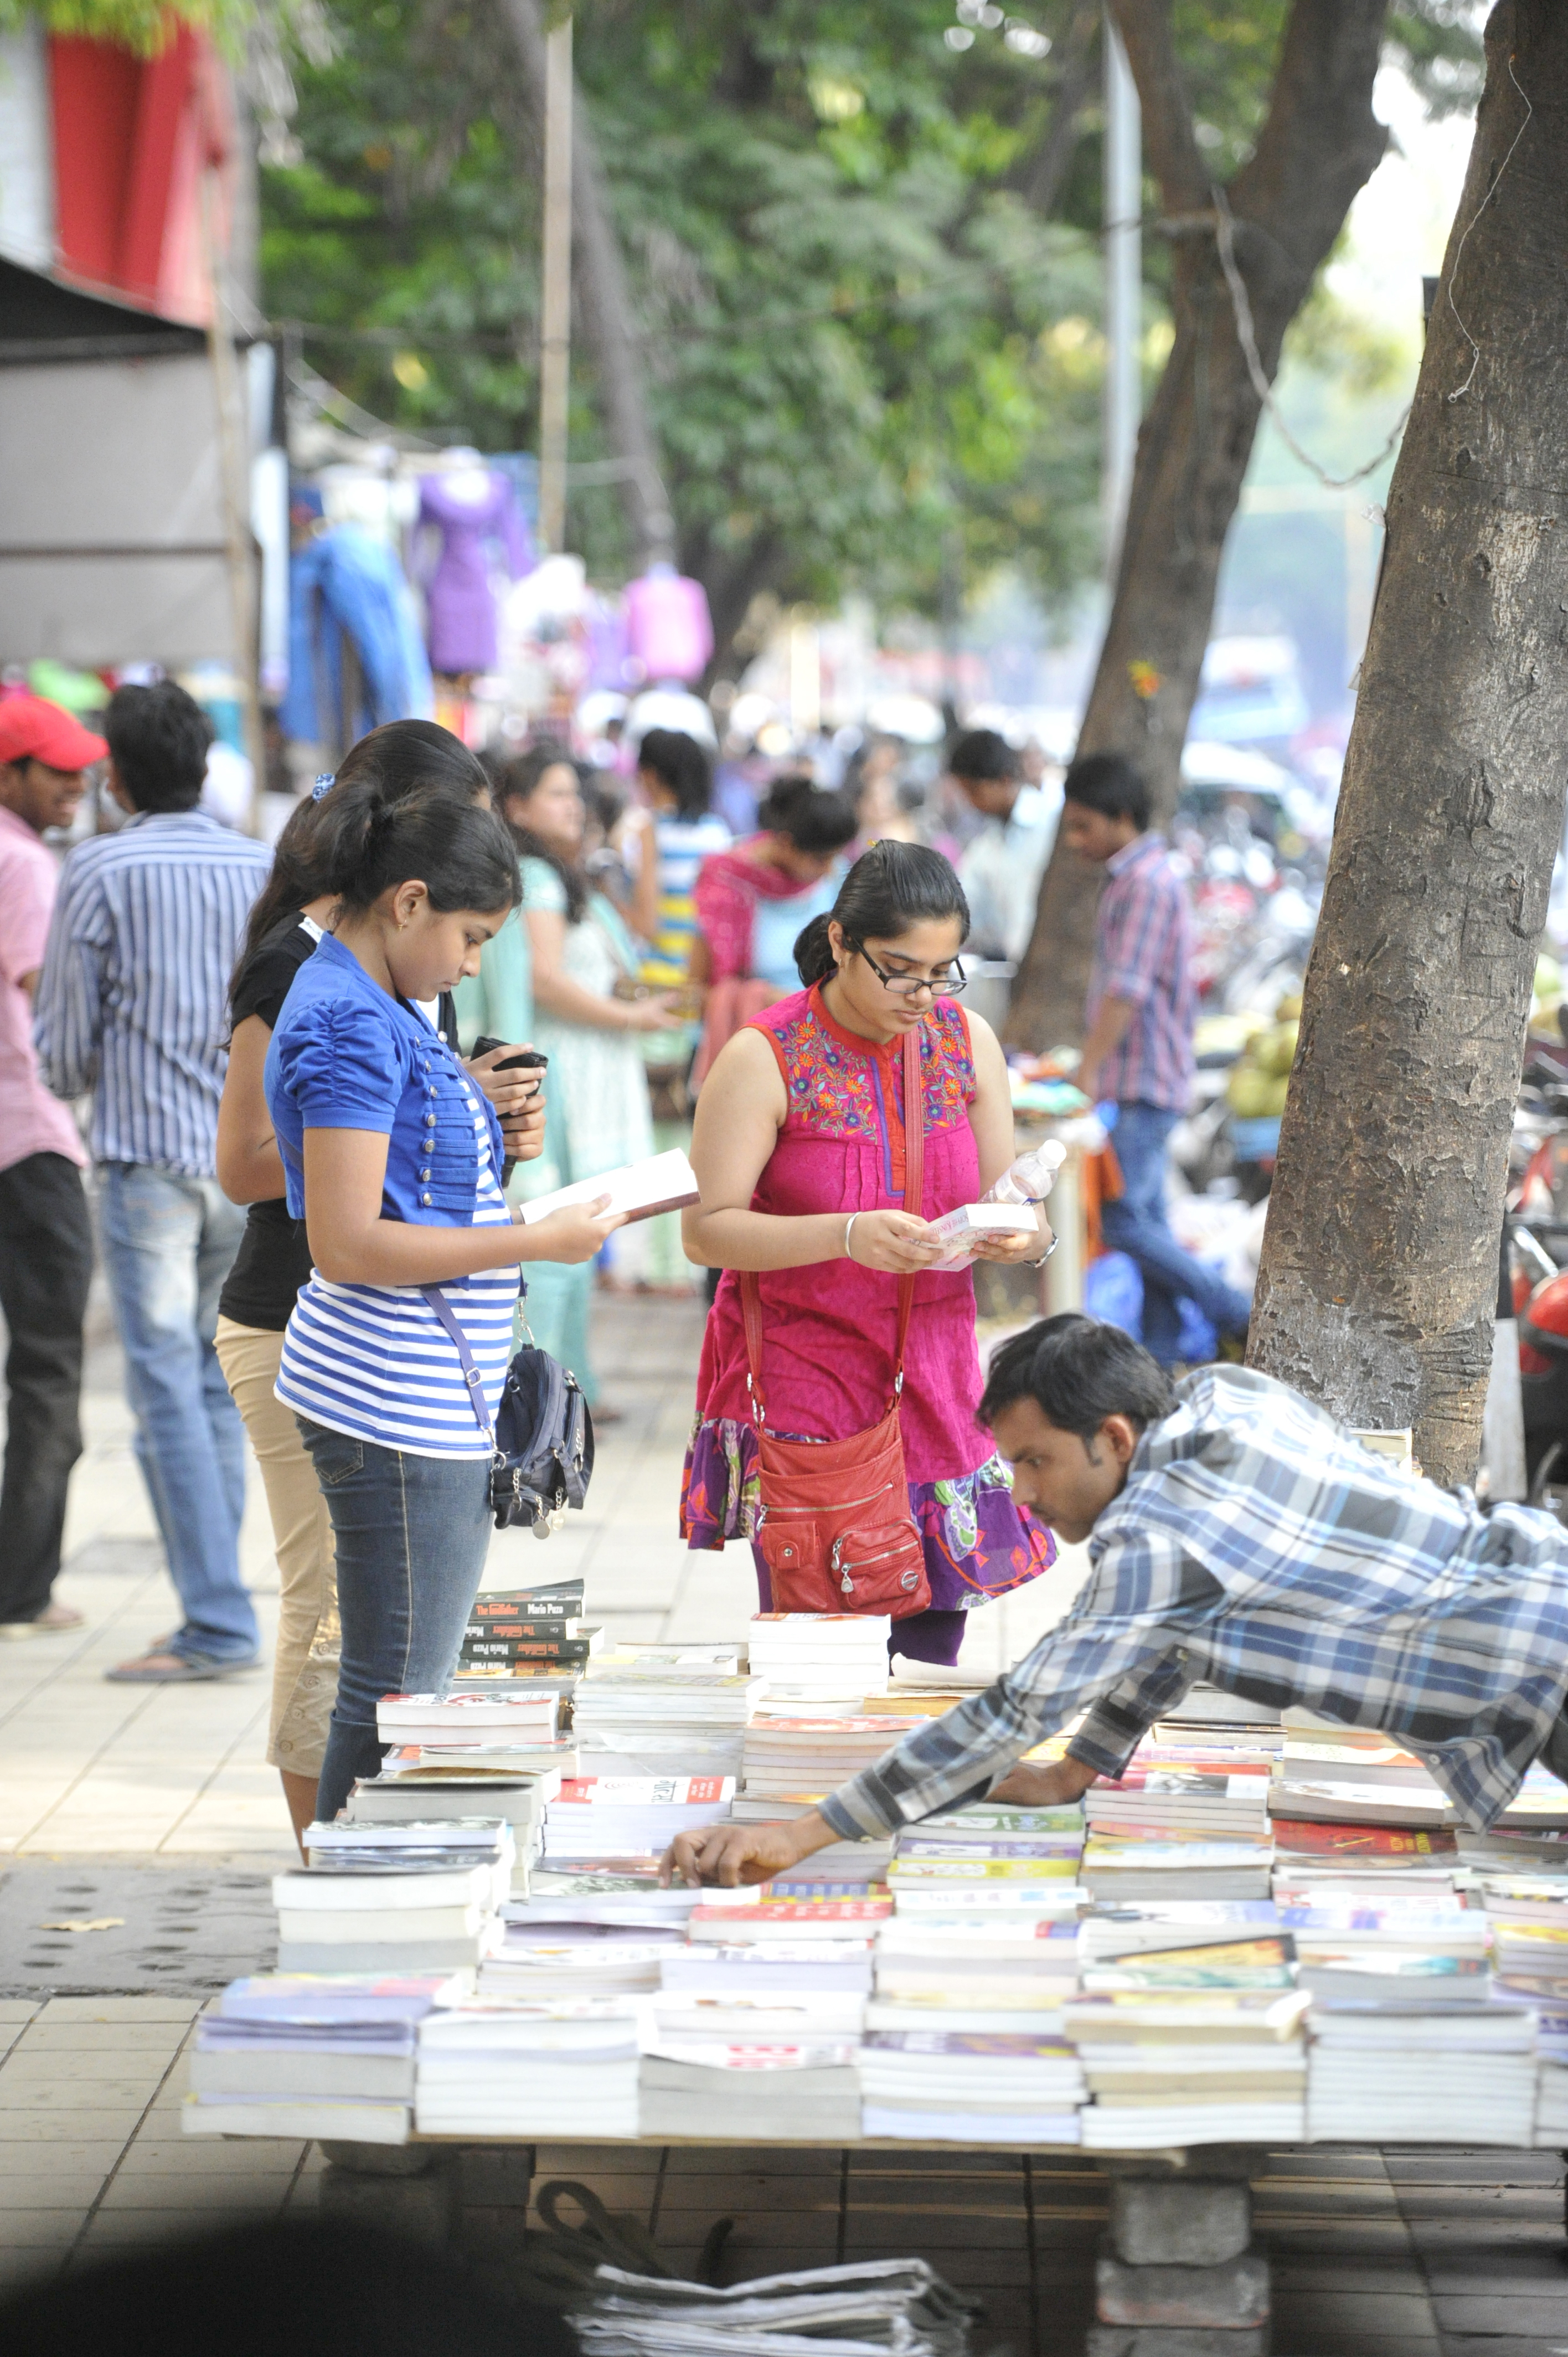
[1195,1831]
[1359,1861]
[657,1710]
[843,2312]
[412,1803]
[381,1915]
[562,2067]
[766,2017]
[990,1856]
[1211,2064]
[799,1759]
[598,1820]
[628,1894]
[1420,1945]
[1527,1914]
[463,1719]
[514,1632]
[576,1960]
[294,2055]
[815,1659]
[1404,2075]
[764,2093]
[965,2087]
[1197,2041]
[977,1974]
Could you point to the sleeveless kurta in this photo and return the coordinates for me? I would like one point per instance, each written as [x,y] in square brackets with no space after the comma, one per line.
[830,1329]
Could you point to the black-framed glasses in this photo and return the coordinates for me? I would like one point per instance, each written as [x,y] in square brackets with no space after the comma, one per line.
[909,985]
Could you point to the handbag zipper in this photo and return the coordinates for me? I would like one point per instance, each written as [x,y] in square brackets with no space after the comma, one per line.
[836,1562]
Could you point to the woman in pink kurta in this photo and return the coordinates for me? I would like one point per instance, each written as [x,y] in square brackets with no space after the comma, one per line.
[799,1150]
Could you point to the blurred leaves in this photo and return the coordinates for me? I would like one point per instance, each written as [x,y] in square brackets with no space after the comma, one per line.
[860,341]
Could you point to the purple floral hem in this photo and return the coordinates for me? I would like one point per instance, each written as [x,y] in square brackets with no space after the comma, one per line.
[977,1543]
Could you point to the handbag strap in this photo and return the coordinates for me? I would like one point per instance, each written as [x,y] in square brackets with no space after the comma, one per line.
[471,1375]
[914,1201]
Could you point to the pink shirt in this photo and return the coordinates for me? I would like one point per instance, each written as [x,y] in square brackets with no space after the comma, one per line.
[31,1121]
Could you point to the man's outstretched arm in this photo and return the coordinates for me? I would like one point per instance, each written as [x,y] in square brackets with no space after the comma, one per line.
[1123,1634]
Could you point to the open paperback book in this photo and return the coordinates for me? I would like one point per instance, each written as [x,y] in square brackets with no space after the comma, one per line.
[663,1182]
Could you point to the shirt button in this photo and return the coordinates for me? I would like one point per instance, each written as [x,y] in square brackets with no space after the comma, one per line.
[425,1198]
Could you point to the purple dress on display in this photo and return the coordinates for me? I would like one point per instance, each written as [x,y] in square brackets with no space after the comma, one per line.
[460,603]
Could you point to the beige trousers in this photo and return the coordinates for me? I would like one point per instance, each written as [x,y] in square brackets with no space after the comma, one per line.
[304,1672]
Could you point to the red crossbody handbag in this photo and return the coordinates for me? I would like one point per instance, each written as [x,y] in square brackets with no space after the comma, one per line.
[835,1528]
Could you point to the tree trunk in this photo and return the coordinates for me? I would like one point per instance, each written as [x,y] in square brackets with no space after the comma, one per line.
[603,309]
[1318,147]
[1379,1280]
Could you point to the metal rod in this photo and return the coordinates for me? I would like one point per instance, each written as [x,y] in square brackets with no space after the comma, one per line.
[234,473]
[555,339]
[1123,265]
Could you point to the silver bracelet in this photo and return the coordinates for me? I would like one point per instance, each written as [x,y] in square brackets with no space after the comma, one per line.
[1047,1253]
[847,1225]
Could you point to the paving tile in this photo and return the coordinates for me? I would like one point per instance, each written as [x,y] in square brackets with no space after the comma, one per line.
[1502,2309]
[211,2156]
[184,2191]
[40,2125]
[44,2092]
[40,2229]
[20,2158]
[120,2009]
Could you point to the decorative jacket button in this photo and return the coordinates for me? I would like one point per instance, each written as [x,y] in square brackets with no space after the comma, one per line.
[425,1172]
[426,1199]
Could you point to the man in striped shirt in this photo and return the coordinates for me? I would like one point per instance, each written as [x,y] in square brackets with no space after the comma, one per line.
[133,1005]
[1237,1535]
[1138,1050]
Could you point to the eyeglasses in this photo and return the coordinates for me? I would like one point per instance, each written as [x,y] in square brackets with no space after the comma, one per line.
[909,985]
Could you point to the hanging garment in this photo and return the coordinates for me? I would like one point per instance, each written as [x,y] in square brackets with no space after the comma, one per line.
[347,582]
[474,511]
[668,627]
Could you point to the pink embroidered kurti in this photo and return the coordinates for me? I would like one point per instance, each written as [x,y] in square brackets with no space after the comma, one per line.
[830,1329]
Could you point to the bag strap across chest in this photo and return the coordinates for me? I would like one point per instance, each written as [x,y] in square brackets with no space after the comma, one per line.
[913,1201]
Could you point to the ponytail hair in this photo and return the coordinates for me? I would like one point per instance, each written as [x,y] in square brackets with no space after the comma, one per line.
[890,888]
[368,841]
[400,759]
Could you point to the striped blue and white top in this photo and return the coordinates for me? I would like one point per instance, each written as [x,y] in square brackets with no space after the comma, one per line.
[374,1361]
[133,1001]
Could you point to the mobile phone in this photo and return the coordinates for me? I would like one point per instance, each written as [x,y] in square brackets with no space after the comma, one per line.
[527,1060]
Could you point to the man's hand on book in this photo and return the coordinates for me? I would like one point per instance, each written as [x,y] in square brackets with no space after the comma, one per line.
[730,1854]
[1046,1786]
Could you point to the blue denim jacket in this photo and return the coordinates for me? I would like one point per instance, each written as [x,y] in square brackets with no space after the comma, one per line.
[345,1055]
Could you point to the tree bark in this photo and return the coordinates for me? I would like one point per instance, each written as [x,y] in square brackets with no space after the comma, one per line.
[1047,167]
[603,308]
[1318,145]
[1379,1281]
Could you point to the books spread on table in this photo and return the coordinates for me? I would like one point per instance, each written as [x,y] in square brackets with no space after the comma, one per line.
[1258,1932]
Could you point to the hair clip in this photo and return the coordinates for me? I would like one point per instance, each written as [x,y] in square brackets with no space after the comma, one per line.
[328,778]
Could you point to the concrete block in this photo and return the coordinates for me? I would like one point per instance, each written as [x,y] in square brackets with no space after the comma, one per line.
[1235,2163]
[1173,2222]
[423,2208]
[1227,2299]
[1174,2341]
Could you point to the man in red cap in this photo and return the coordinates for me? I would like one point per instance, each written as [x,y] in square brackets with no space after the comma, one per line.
[46,1240]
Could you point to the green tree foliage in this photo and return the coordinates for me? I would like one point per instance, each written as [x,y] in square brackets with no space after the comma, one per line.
[866,347]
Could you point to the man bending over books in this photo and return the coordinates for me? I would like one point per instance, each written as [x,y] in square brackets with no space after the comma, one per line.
[1238,1536]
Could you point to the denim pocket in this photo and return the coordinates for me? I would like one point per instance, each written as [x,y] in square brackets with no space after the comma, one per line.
[337,1456]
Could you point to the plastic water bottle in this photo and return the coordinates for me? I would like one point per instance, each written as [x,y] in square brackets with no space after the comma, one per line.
[1030,1178]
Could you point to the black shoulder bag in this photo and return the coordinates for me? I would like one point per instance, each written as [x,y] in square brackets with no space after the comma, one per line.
[542,1443]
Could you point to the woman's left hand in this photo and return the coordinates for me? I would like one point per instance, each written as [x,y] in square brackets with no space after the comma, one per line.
[1011,1250]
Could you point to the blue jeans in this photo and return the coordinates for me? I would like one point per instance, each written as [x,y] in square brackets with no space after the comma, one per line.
[1136,1224]
[411,1534]
[167,1242]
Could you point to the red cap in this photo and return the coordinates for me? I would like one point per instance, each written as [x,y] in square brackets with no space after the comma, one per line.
[31,729]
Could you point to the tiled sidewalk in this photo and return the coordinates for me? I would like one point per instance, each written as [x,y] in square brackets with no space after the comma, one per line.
[1375,2255]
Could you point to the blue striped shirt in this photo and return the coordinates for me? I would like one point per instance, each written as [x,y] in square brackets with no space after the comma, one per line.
[370,1360]
[1258,1546]
[1142,953]
[133,1001]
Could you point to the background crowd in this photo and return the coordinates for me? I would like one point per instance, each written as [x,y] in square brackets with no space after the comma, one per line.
[289,1065]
